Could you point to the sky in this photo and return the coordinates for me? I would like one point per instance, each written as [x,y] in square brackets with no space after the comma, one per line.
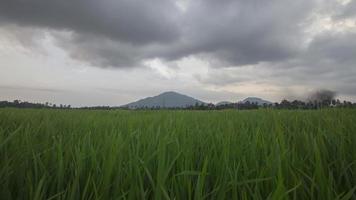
[112,52]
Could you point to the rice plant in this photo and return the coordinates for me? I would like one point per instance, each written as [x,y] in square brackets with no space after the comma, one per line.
[261,154]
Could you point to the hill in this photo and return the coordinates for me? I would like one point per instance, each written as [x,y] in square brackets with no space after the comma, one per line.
[165,100]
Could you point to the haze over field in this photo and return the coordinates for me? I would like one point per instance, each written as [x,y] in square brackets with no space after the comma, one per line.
[112,52]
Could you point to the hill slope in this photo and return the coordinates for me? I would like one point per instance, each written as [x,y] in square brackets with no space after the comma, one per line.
[165,100]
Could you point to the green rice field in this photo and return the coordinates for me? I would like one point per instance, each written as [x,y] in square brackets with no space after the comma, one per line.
[259,154]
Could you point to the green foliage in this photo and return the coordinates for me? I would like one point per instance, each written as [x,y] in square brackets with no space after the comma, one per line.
[260,154]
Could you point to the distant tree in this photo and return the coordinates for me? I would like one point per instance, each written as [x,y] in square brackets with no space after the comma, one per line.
[247,105]
[285,104]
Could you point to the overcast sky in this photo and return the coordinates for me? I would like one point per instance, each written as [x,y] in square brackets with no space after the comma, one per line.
[111,52]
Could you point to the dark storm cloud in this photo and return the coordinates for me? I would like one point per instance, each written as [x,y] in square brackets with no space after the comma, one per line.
[243,32]
[137,22]
[104,33]
[99,51]
[123,33]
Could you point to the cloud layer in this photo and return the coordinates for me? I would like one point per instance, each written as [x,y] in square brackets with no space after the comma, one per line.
[123,33]
[277,42]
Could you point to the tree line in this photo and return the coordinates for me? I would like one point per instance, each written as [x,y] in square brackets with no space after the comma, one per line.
[318,100]
[284,104]
[25,104]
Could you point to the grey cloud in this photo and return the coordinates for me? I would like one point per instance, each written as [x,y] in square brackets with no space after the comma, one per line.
[25,37]
[123,33]
[258,42]
[328,62]
[243,32]
[99,51]
[136,22]
[104,33]
[27,88]
[332,57]
[338,48]
[227,76]
[349,10]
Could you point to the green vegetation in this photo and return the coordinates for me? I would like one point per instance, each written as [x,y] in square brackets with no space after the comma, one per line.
[260,154]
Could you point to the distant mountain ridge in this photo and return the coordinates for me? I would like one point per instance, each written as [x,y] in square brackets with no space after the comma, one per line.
[176,100]
[165,100]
